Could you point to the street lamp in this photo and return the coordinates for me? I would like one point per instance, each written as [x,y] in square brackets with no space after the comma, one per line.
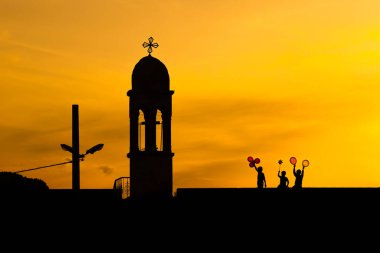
[75,160]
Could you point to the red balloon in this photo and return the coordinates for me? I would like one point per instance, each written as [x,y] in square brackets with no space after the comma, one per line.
[257,160]
[251,164]
[293,160]
[250,159]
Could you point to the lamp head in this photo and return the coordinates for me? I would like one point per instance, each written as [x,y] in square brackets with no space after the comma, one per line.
[94,149]
[67,148]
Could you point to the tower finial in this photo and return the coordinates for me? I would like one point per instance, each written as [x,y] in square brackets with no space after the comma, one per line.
[150,45]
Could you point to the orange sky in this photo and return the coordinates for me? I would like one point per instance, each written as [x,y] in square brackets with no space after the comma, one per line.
[271,79]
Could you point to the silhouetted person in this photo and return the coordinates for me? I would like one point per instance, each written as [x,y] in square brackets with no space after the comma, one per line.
[284,181]
[299,177]
[261,182]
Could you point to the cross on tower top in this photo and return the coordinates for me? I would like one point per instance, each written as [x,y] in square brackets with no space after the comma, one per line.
[150,45]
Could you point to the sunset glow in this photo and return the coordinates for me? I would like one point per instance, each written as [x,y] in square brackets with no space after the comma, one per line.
[269,79]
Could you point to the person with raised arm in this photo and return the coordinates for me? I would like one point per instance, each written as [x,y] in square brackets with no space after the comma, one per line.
[299,174]
[261,182]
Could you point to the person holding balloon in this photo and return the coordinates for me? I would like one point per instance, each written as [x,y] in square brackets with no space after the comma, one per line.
[261,182]
[284,181]
[298,174]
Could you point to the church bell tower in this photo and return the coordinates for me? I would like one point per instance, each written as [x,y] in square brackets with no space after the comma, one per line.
[150,112]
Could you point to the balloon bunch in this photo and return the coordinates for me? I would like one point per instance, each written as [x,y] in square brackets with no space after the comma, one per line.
[253,161]
[305,163]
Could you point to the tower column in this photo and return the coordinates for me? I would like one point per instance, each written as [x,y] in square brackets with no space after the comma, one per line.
[150,130]
[134,121]
[166,128]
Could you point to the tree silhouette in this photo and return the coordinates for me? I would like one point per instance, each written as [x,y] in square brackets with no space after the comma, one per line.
[10,181]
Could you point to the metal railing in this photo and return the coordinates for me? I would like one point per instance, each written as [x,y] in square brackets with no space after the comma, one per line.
[122,185]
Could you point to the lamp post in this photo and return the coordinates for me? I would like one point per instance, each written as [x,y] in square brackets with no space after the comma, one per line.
[74,150]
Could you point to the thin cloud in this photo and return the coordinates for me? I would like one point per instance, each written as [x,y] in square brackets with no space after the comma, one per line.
[106,169]
[225,111]
[13,134]
[30,47]
[244,125]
